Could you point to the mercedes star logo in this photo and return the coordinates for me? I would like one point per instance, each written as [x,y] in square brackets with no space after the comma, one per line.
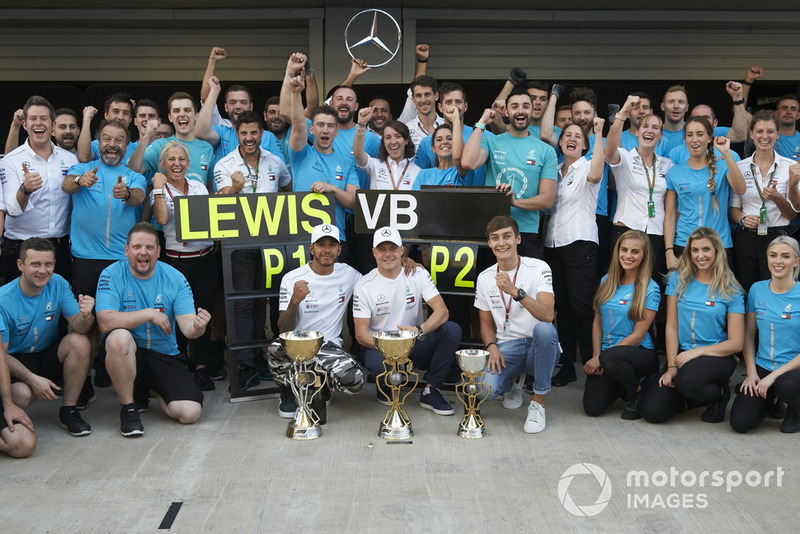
[382,23]
[326,229]
[386,232]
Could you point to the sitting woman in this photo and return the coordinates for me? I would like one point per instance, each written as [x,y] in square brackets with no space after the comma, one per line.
[705,327]
[773,371]
[625,305]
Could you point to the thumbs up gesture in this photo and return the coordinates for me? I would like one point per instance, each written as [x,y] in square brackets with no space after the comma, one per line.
[32,181]
[120,190]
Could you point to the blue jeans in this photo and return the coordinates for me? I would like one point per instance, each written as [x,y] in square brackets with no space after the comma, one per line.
[436,352]
[535,356]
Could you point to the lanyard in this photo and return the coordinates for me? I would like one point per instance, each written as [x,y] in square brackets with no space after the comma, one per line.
[651,182]
[510,298]
[250,171]
[770,178]
[396,186]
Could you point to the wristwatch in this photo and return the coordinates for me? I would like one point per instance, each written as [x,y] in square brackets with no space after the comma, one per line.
[520,295]
[77,180]
[23,190]
[421,334]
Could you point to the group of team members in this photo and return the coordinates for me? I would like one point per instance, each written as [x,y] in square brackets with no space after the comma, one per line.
[670,183]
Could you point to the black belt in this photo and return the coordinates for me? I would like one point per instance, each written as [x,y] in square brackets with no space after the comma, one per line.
[178,255]
[772,230]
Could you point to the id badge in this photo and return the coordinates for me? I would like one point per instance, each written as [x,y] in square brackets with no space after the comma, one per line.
[762,215]
[506,326]
[651,209]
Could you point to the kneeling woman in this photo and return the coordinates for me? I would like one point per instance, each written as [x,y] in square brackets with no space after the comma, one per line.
[773,310]
[705,327]
[625,306]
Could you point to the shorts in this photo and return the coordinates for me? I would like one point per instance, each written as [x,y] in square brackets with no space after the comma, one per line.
[43,363]
[86,273]
[166,375]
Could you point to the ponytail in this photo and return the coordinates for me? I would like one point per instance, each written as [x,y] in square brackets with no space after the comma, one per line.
[712,171]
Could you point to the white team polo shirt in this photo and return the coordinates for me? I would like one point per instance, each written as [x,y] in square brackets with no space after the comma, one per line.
[633,192]
[272,172]
[572,217]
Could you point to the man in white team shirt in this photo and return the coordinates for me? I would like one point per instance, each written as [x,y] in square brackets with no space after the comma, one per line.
[388,298]
[516,305]
[315,297]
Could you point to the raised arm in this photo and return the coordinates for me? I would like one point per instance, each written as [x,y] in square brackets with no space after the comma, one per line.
[598,159]
[741,118]
[202,128]
[473,155]
[85,137]
[312,90]
[217,54]
[735,177]
[452,116]
[358,68]
[293,84]
[615,132]
[12,141]
[364,115]
[753,73]
[136,161]
[546,129]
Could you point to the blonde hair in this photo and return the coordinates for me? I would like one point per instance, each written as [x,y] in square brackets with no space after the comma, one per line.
[723,283]
[612,282]
[792,242]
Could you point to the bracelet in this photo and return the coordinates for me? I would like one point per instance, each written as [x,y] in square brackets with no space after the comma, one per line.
[669,248]
[422,60]
[747,83]
[490,344]
[128,197]
[620,117]
[672,367]
[737,102]
[480,126]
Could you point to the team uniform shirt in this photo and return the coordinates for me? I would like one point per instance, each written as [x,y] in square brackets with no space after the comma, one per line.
[616,323]
[388,303]
[440,177]
[30,324]
[229,141]
[270,175]
[283,144]
[167,291]
[633,191]
[391,175]
[324,307]
[680,153]
[777,177]
[170,192]
[695,207]
[426,159]
[778,322]
[310,165]
[572,217]
[788,146]
[343,143]
[201,158]
[417,131]
[100,222]
[521,162]
[702,318]
[536,131]
[534,276]
[129,150]
[48,209]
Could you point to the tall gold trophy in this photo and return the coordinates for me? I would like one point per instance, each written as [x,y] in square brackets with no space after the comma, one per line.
[302,346]
[471,393]
[395,346]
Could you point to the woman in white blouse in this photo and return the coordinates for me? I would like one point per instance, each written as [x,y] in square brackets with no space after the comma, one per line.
[394,168]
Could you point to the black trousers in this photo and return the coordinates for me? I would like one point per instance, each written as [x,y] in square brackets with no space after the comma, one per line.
[749,411]
[623,367]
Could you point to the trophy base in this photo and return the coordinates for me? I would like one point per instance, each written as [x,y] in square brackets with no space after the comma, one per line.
[470,427]
[303,433]
[391,433]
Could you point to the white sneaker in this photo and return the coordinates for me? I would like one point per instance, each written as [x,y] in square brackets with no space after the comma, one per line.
[512,399]
[535,422]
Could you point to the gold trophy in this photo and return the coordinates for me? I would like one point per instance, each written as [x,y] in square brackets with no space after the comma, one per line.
[395,346]
[302,346]
[471,393]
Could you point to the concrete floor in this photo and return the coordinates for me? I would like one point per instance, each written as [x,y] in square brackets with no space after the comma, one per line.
[234,471]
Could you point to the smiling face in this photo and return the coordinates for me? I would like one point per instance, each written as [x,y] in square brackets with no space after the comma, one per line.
[236,102]
[345,103]
[142,252]
[631,254]
[182,115]
[249,135]
[518,111]
[275,122]
[583,114]
[388,257]
[703,254]
[697,138]
[781,261]
[381,114]
[325,251]
[443,142]
[788,112]
[573,142]
[424,98]
[175,163]
[649,132]
[36,269]
[503,243]
[112,143]
[66,131]
[144,114]
[39,125]
[764,135]
[395,143]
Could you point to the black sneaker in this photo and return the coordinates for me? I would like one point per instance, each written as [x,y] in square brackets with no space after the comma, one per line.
[87,395]
[217,373]
[288,404]
[791,423]
[71,419]
[142,401]
[203,379]
[262,368]
[715,413]
[101,378]
[631,411]
[434,401]
[778,410]
[130,424]
[248,377]
[564,376]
